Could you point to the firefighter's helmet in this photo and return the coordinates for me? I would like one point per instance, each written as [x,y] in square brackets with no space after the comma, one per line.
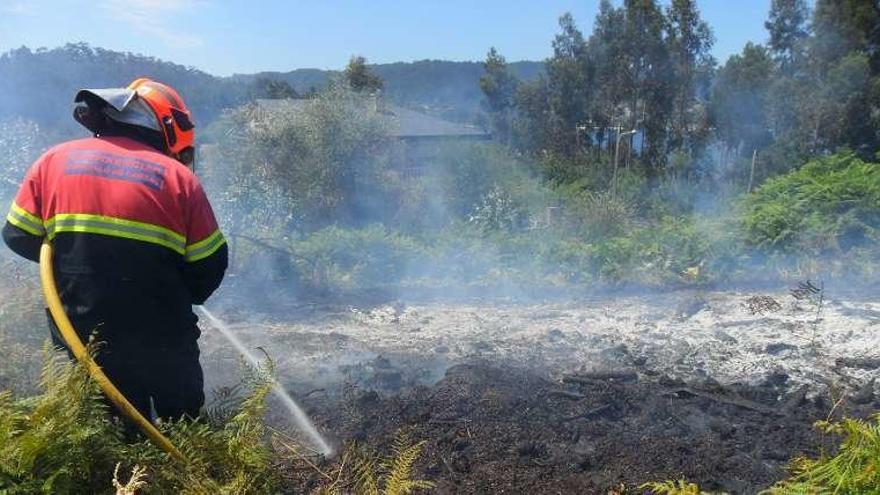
[146,104]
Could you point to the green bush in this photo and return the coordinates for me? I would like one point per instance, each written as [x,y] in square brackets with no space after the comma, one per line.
[829,204]
[64,441]
[22,324]
[497,210]
[303,160]
[21,142]
[335,258]
[674,249]
[600,214]
[465,180]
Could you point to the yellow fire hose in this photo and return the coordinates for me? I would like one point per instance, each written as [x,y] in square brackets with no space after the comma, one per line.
[50,292]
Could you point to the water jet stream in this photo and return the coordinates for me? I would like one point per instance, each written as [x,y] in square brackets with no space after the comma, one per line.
[299,416]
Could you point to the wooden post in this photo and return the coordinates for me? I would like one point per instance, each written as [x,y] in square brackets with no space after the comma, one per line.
[752,171]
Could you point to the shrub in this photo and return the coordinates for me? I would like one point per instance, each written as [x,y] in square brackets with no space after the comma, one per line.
[829,204]
[22,324]
[602,214]
[21,142]
[462,180]
[584,168]
[335,258]
[497,210]
[304,160]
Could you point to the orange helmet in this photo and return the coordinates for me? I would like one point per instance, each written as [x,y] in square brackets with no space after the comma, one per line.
[174,118]
[145,104]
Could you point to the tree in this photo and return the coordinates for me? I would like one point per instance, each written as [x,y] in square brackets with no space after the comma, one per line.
[843,109]
[312,164]
[531,125]
[739,99]
[570,86]
[274,89]
[648,79]
[690,42]
[845,26]
[499,87]
[605,50]
[360,78]
[787,25]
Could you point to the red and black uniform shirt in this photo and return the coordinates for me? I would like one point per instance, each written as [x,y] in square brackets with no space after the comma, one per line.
[136,241]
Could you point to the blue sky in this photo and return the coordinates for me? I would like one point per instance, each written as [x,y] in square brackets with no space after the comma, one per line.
[224,37]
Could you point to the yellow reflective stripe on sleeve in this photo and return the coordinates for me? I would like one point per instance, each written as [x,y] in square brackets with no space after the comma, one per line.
[27,222]
[27,215]
[206,247]
[117,227]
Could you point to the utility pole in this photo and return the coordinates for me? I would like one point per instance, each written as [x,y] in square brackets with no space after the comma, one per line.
[752,171]
[629,149]
[580,134]
[616,157]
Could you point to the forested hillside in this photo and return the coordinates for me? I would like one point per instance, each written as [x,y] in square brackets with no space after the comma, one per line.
[39,84]
[448,89]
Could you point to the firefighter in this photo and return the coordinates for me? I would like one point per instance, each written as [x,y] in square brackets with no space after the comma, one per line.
[136,242]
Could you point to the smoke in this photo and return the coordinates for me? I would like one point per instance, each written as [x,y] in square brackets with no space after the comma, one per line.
[336,209]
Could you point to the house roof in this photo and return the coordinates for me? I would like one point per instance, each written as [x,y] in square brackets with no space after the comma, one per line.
[404,123]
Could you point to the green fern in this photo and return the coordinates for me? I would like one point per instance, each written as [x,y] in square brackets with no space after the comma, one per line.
[64,441]
[670,487]
[366,473]
[372,475]
[854,469]
[399,466]
[224,405]
[60,441]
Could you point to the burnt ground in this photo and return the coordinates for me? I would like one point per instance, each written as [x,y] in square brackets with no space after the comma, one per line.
[503,430]
[510,396]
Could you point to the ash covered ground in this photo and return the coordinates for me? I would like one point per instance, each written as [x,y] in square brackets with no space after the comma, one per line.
[574,395]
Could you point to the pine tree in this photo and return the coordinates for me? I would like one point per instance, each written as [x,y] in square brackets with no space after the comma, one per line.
[360,78]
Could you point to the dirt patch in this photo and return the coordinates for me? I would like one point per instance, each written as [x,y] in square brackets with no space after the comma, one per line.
[494,430]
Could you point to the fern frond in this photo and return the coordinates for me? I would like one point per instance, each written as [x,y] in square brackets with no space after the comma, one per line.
[854,469]
[135,483]
[366,472]
[399,466]
[672,487]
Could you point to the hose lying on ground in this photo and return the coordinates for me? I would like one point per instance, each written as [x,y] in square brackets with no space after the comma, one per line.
[53,301]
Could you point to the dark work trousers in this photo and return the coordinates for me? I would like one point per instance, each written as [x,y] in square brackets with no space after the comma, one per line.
[169,375]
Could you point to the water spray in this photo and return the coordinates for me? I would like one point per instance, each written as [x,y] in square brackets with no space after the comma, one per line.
[299,416]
